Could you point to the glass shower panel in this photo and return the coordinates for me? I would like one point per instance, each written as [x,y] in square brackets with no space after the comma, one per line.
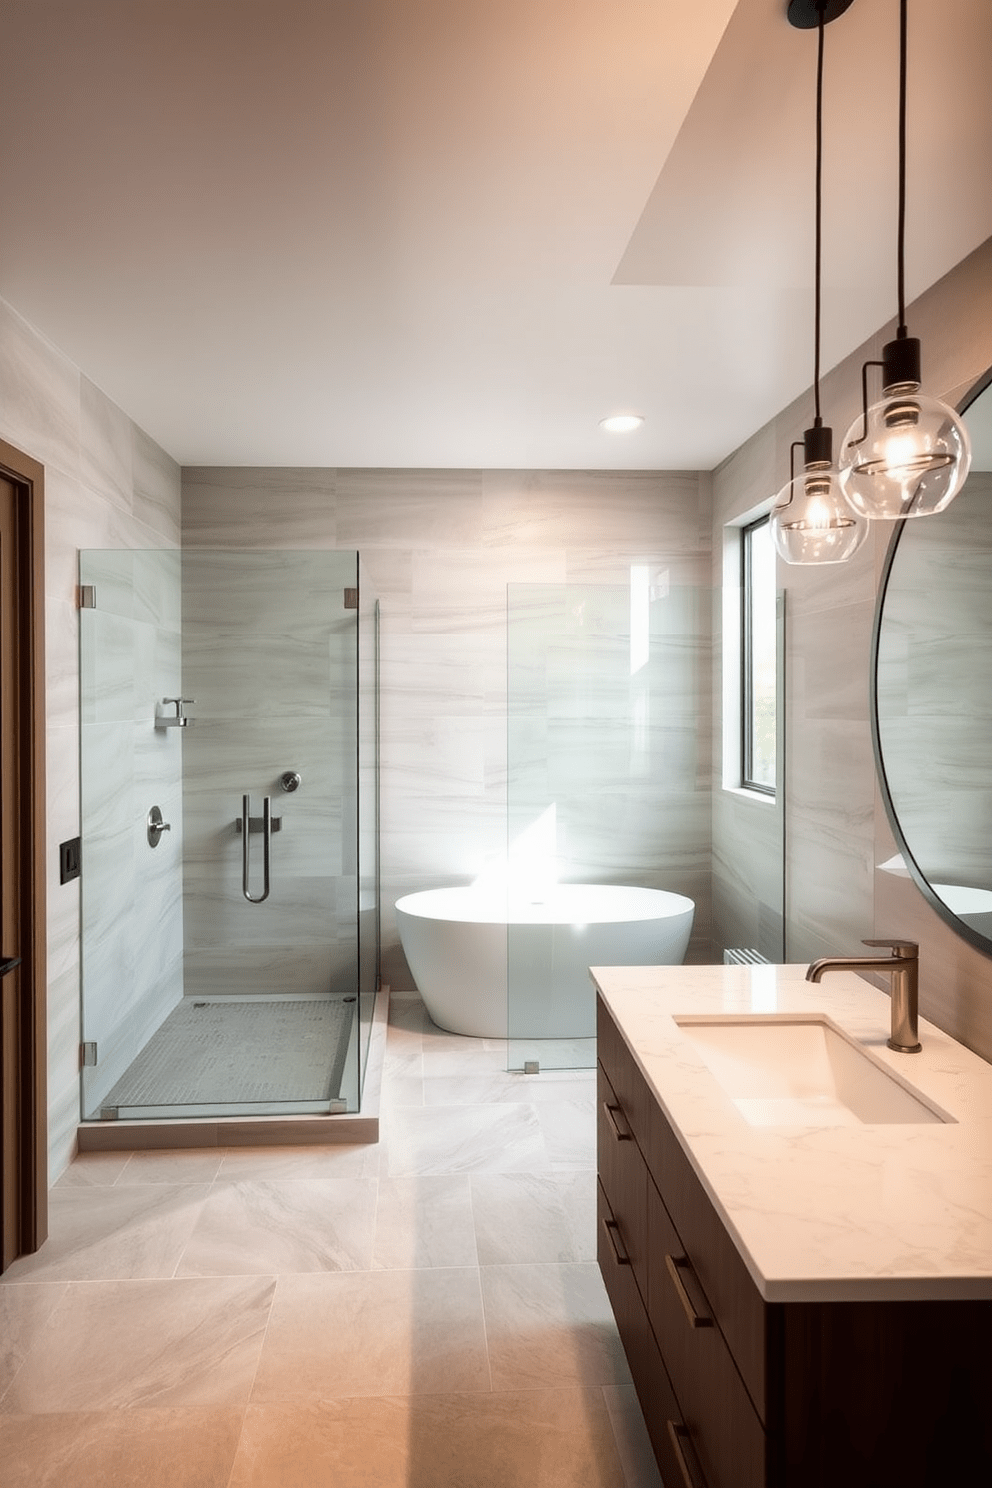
[607,783]
[368,811]
[233,988]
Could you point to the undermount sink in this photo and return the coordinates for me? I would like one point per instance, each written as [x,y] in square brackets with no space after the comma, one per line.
[801,1070]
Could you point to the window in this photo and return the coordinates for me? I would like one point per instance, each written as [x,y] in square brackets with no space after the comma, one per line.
[758,657]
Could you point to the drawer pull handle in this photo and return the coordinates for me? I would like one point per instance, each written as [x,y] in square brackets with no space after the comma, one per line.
[682,1447]
[613,1235]
[696,1319]
[622,1133]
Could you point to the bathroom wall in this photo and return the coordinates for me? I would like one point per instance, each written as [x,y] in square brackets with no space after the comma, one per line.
[107,485]
[837,834]
[269,657]
[441,547]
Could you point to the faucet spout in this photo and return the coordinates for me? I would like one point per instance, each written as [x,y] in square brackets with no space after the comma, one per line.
[902,966]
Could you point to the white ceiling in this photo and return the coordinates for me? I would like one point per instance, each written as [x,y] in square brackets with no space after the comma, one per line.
[447,233]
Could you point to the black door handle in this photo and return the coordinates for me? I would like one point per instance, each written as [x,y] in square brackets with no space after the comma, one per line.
[8,963]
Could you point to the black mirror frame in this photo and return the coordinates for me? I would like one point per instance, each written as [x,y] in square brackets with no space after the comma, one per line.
[974,938]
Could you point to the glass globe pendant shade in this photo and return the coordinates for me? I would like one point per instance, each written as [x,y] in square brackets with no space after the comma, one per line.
[811,520]
[909,454]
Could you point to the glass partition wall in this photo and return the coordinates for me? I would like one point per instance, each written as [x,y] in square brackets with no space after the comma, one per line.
[229,832]
[608,760]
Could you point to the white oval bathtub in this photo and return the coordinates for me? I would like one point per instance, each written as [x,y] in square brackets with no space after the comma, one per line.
[464,946]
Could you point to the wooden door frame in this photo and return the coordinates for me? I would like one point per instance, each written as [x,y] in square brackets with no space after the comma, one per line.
[31,1135]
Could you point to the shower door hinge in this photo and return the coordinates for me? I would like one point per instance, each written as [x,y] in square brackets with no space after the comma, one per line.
[351,599]
[86,597]
[87,1053]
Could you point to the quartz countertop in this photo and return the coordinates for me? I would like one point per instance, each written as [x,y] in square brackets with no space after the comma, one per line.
[848,1213]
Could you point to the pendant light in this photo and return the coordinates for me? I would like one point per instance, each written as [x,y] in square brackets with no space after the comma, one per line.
[811,520]
[908,455]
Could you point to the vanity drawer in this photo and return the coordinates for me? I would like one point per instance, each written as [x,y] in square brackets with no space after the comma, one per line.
[738,1307]
[715,1406]
[624,1177]
[670,1438]
[629,1084]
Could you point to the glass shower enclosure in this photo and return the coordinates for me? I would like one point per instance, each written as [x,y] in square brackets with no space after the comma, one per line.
[229,783]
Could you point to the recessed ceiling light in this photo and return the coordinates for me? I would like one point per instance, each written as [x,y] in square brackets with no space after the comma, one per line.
[621,423]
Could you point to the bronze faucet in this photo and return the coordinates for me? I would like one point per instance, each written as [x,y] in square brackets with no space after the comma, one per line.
[903,967]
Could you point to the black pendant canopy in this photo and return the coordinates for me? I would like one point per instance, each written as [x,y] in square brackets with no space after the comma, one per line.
[805,14]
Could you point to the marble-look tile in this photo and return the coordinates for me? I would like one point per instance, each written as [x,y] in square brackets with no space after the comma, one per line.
[274,1226]
[569,1129]
[179,1165]
[640,1469]
[113,1233]
[278,1164]
[94,1169]
[528,1439]
[408,508]
[464,1139]
[181,1448]
[424,1222]
[105,446]
[382,1332]
[39,394]
[520,1217]
[401,1090]
[246,507]
[468,1055]
[578,1196]
[550,1325]
[24,1314]
[157,481]
[114,1345]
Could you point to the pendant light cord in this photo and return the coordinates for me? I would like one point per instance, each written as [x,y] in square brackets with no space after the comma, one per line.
[817,421]
[901,230]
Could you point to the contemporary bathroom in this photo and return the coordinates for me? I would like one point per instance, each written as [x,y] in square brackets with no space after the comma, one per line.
[300,690]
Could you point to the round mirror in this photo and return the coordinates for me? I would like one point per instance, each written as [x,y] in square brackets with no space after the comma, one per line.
[932,711]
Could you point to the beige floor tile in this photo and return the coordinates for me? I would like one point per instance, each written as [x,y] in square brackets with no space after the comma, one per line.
[520,1217]
[111,1345]
[569,1129]
[120,1449]
[633,1443]
[178,1166]
[283,1225]
[102,1234]
[24,1313]
[578,1195]
[533,1439]
[336,1160]
[94,1168]
[424,1222]
[464,1139]
[392,1332]
[402,1090]
[550,1325]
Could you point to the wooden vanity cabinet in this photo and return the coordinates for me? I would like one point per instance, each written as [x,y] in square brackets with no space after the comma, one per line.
[740,1393]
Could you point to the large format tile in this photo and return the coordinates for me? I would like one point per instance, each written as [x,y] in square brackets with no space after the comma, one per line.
[114,1345]
[520,1217]
[275,1164]
[464,1139]
[381,1332]
[550,1325]
[424,1222]
[119,1449]
[532,1439]
[98,1234]
[275,1226]
[24,1313]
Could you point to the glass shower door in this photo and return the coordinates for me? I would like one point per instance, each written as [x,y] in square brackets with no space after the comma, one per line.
[221,965]
[607,784]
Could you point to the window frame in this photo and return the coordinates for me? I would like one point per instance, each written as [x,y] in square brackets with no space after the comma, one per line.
[748,782]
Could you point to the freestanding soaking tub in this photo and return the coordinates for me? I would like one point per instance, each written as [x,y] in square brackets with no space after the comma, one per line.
[465,947]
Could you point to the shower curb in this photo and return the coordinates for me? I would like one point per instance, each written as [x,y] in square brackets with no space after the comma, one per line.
[255,1131]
